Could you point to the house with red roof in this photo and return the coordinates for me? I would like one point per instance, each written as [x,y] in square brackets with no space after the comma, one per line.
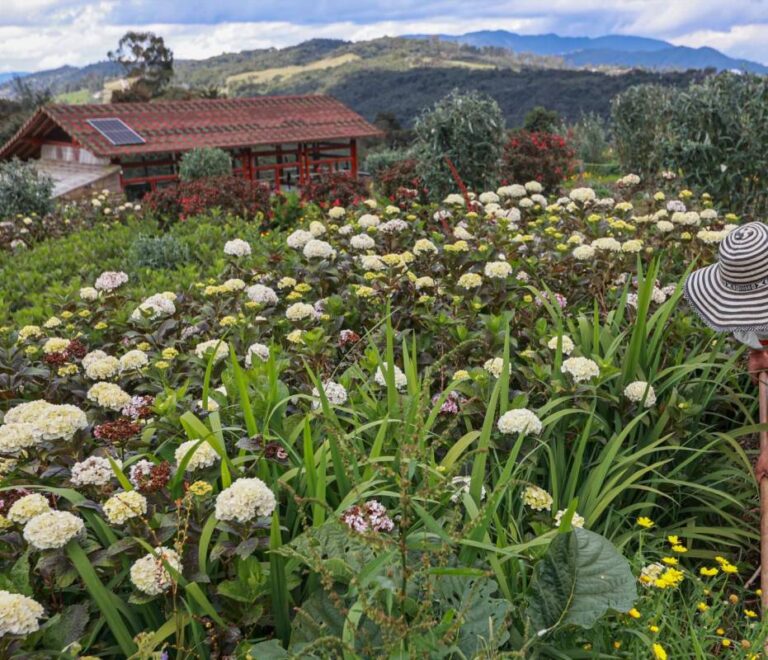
[135,147]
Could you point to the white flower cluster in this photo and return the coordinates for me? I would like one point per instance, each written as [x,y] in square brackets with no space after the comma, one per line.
[93,471]
[317,249]
[133,360]
[237,248]
[110,280]
[537,498]
[584,252]
[261,351]
[15,437]
[149,573]
[519,420]
[334,392]
[606,244]
[368,221]
[27,507]
[19,614]
[100,366]
[423,246]
[298,239]
[640,391]
[498,269]
[88,293]
[217,347]
[582,195]
[494,366]
[261,294]
[124,506]
[362,242]
[299,311]
[109,395]
[245,500]
[53,529]
[204,455]
[580,369]
[576,520]
[156,306]
[50,421]
[381,376]
[565,341]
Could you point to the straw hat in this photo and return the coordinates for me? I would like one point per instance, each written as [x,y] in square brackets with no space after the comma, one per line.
[732,294]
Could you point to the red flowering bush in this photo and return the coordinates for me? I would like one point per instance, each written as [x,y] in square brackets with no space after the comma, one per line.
[230,194]
[333,189]
[536,156]
[401,182]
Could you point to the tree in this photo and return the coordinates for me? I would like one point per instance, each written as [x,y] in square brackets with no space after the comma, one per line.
[540,120]
[147,61]
[24,190]
[468,129]
[204,163]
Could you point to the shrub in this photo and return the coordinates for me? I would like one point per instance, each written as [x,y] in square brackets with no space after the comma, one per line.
[333,189]
[641,117]
[204,163]
[590,139]
[377,162]
[468,128]
[230,194]
[402,179]
[24,190]
[158,252]
[718,142]
[543,157]
[540,120]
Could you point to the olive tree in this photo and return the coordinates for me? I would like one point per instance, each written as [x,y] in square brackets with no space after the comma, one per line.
[204,163]
[24,190]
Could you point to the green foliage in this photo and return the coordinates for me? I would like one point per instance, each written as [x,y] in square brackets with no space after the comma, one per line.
[204,163]
[23,190]
[579,578]
[589,138]
[468,129]
[158,252]
[541,120]
[378,161]
[641,124]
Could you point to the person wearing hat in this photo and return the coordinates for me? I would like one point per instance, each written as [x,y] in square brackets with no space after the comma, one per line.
[731,295]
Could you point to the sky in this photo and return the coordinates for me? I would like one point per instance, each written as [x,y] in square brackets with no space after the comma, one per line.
[44,34]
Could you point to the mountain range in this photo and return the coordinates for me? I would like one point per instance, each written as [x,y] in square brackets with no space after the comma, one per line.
[610,50]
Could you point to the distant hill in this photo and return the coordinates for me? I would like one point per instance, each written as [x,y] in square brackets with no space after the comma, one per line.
[4,77]
[610,50]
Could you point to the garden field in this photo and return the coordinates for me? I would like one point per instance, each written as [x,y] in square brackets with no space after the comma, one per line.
[482,428]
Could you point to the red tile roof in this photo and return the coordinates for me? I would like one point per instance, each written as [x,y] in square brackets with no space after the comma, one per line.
[173,126]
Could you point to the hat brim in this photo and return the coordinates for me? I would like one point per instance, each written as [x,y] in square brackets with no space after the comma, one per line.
[721,308]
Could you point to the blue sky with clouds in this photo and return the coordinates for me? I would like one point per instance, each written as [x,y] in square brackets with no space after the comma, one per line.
[42,34]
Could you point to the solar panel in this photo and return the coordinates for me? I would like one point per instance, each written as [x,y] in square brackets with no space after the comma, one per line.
[116,131]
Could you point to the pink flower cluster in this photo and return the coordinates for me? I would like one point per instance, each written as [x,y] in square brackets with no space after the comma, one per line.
[371,516]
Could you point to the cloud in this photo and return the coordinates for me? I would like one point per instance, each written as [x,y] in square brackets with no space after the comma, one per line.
[37,34]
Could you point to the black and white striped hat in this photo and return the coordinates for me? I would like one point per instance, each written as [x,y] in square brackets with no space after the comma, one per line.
[732,294]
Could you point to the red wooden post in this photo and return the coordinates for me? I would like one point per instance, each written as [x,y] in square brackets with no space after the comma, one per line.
[353,153]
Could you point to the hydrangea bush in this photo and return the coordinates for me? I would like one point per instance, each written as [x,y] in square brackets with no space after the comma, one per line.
[393,428]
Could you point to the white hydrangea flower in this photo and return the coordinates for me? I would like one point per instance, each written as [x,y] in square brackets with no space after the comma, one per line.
[470,281]
[497,270]
[109,395]
[533,187]
[53,529]
[582,195]
[519,420]
[576,520]
[110,280]
[93,471]
[261,294]
[607,244]
[567,344]
[19,614]
[317,228]
[362,242]
[27,507]
[204,455]
[632,247]
[51,421]
[381,379]
[88,293]
[317,249]
[237,248]
[454,199]
[368,220]
[488,198]
[55,345]
[299,311]
[515,190]
[103,369]
[245,500]
[298,239]
[219,348]
[424,246]
[154,307]
[334,392]
[425,282]
[664,226]
[133,360]
[581,369]
[261,351]
[636,392]
[494,366]
[149,573]
[372,262]
[537,498]
[124,506]
[338,212]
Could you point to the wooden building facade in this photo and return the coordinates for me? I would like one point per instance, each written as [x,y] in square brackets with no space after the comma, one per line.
[136,147]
